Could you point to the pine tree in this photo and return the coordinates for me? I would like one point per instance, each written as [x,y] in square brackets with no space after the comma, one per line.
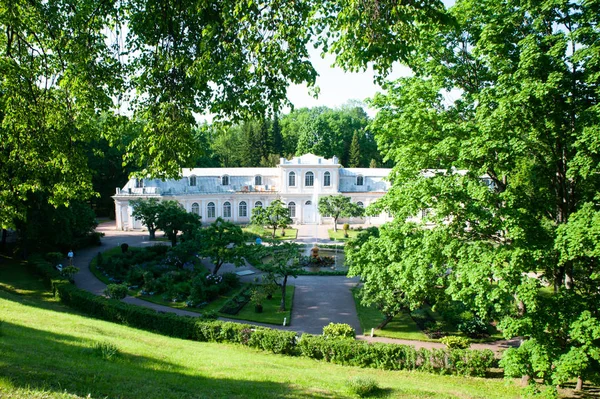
[276,137]
[354,161]
[373,163]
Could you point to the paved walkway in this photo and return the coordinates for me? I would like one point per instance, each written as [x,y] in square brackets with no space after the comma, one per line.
[318,300]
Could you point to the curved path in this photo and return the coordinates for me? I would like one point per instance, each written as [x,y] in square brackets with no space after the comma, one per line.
[318,300]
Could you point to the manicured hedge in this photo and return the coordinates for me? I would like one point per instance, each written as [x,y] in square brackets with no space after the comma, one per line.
[335,350]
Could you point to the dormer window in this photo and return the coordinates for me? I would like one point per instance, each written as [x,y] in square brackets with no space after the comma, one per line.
[258,180]
[225,180]
[309,179]
[360,181]
[327,179]
[139,183]
[193,181]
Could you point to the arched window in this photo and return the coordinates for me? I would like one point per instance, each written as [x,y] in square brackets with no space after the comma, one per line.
[308,203]
[225,180]
[360,180]
[258,204]
[327,179]
[210,210]
[292,209]
[258,180]
[292,179]
[243,209]
[359,203]
[226,209]
[196,208]
[309,179]
[192,180]
[139,183]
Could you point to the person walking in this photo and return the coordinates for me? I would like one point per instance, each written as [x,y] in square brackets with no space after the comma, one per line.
[70,256]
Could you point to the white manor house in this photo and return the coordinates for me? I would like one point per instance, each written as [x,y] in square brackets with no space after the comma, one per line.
[232,193]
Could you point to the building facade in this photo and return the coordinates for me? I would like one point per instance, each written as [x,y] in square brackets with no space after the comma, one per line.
[232,193]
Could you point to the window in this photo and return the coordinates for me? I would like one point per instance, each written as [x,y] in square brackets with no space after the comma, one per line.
[226,209]
[196,208]
[243,209]
[210,210]
[309,179]
[359,203]
[292,179]
[225,180]
[308,203]
[292,209]
[327,179]
[192,180]
[139,183]
[258,180]
[258,204]
[360,180]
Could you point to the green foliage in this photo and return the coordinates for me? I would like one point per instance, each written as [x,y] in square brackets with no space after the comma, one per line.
[172,218]
[338,330]
[223,242]
[283,264]
[105,350]
[257,296]
[456,342]
[274,216]
[362,386]
[354,160]
[69,272]
[147,211]
[338,206]
[54,257]
[116,291]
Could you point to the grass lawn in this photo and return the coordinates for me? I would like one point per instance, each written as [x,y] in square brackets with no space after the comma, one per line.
[402,326]
[339,235]
[290,234]
[47,351]
[270,313]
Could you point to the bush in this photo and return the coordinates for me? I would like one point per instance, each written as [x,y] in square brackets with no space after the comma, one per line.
[54,258]
[362,386]
[105,350]
[275,341]
[474,328]
[338,330]
[116,291]
[456,342]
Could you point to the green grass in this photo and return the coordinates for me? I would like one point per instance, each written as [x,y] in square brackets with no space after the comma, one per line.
[401,327]
[270,313]
[290,234]
[339,235]
[47,351]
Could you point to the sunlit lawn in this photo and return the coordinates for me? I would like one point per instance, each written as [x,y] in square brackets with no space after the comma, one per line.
[270,313]
[339,235]
[290,233]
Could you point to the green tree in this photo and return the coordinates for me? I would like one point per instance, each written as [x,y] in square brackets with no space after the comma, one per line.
[223,242]
[354,161]
[508,164]
[338,206]
[147,211]
[284,264]
[274,216]
[172,218]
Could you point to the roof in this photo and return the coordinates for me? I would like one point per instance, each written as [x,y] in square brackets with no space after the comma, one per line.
[230,172]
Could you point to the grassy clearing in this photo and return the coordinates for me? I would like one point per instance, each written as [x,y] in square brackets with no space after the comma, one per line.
[270,313]
[44,347]
[339,235]
[290,234]
[401,327]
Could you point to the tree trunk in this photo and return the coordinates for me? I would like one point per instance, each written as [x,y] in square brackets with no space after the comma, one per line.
[335,224]
[174,240]
[385,321]
[579,385]
[283,289]
[152,233]
[274,231]
[4,234]
[217,267]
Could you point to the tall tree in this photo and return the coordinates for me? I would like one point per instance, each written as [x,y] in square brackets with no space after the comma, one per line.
[354,161]
[222,242]
[147,211]
[274,216]
[172,218]
[510,162]
[283,265]
[276,137]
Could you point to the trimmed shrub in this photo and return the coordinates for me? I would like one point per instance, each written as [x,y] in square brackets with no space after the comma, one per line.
[474,328]
[54,258]
[116,291]
[338,330]
[275,341]
[362,386]
[456,342]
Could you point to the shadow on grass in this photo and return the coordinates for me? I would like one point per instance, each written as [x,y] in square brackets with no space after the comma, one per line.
[43,360]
